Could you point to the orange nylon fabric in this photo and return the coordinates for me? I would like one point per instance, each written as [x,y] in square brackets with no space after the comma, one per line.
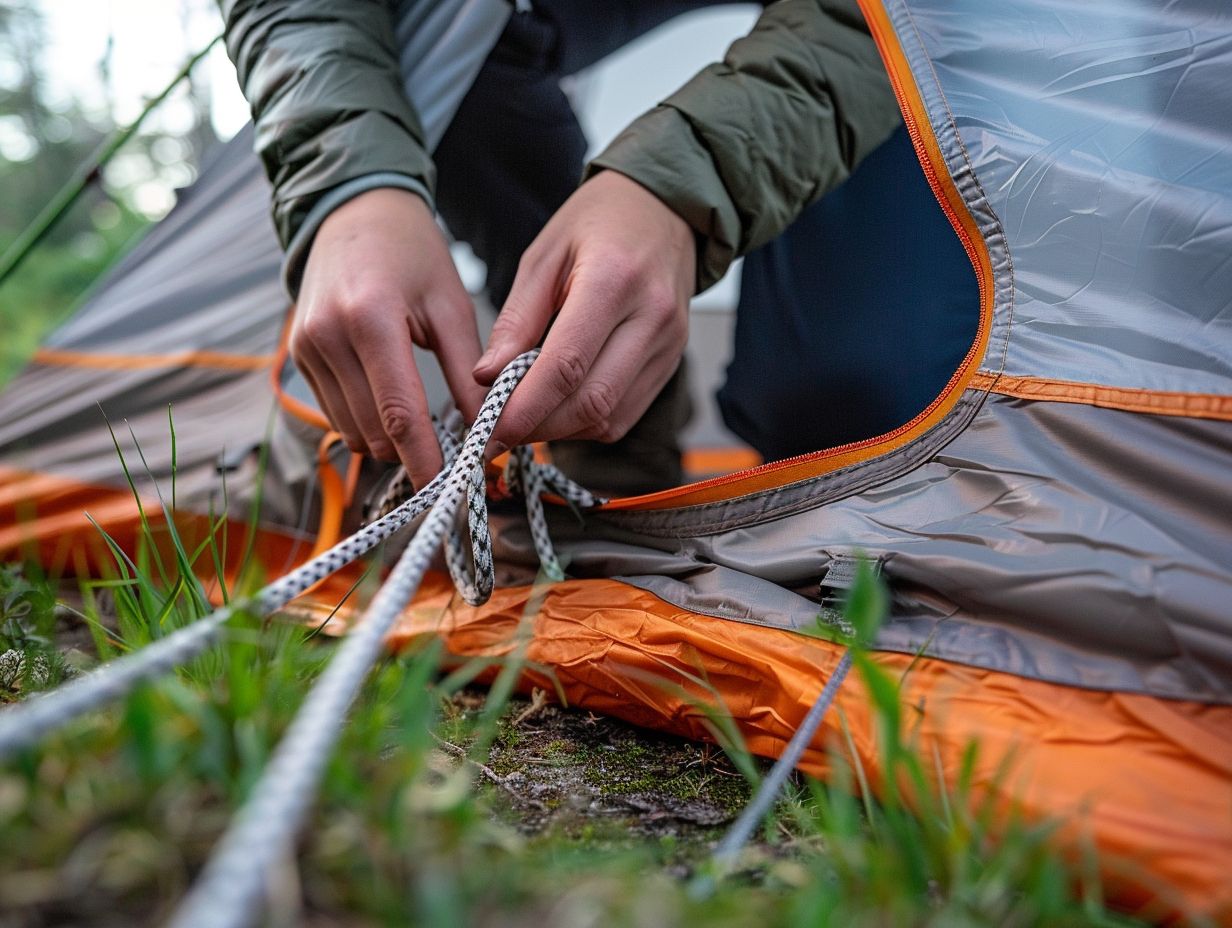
[714,461]
[334,496]
[1146,780]
[44,518]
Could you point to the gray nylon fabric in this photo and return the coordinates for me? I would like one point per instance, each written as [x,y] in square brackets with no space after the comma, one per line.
[205,277]
[1100,134]
[1061,542]
[1074,544]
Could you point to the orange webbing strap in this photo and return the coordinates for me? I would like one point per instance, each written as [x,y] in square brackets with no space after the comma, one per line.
[334,495]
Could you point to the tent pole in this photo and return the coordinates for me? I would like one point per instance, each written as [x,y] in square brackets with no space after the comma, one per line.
[67,195]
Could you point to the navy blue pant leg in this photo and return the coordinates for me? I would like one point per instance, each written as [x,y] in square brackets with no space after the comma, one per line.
[853,320]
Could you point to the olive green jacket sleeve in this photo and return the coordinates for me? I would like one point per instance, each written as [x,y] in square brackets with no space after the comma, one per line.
[741,149]
[332,117]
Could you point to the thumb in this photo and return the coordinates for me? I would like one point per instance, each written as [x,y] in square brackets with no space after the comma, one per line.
[523,319]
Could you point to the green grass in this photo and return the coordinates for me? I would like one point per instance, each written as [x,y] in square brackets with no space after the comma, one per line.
[109,820]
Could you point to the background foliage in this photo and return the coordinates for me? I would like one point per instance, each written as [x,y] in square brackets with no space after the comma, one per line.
[44,138]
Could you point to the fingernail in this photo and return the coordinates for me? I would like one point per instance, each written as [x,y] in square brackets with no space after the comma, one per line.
[485,359]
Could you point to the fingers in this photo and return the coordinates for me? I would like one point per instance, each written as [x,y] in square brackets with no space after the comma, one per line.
[614,344]
[329,395]
[569,351]
[624,380]
[619,265]
[377,403]
[378,280]
[524,318]
[395,406]
[455,340]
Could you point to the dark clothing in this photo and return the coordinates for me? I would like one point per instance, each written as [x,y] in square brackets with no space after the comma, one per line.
[850,322]
[853,320]
[737,152]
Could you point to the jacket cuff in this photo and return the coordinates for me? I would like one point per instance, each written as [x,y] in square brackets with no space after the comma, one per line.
[661,152]
[301,242]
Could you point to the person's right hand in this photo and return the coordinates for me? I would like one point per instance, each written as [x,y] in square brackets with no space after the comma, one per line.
[379,277]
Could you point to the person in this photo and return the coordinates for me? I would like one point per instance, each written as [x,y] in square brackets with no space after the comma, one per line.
[718,169]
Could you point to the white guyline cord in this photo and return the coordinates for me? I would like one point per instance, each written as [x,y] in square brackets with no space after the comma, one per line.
[26,723]
[229,890]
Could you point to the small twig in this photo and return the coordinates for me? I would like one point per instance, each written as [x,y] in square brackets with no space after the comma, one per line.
[457,751]
[538,699]
[488,772]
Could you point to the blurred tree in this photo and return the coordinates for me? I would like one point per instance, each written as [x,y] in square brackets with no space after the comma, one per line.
[41,146]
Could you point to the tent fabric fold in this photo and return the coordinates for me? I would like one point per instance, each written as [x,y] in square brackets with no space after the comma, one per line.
[1054,528]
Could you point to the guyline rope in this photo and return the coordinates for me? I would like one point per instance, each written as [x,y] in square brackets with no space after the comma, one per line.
[728,851]
[26,723]
[230,888]
[229,891]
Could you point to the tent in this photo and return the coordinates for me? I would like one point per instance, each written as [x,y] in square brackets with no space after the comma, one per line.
[1055,527]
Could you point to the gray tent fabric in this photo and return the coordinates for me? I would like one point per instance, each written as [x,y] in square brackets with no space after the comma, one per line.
[1071,542]
[189,320]
[201,278]
[1096,136]
[1059,541]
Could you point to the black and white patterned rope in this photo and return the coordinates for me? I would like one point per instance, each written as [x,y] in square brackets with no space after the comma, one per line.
[230,889]
[24,724]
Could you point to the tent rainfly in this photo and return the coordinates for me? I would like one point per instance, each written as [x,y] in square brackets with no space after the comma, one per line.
[1055,527]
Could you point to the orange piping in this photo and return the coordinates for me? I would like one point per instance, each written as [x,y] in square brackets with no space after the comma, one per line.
[354,467]
[1127,399]
[333,497]
[290,404]
[719,460]
[781,473]
[103,361]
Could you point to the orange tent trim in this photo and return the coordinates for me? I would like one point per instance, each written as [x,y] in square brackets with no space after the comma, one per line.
[55,357]
[1128,399]
[1110,767]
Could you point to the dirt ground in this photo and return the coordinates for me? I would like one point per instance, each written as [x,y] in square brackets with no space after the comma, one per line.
[557,773]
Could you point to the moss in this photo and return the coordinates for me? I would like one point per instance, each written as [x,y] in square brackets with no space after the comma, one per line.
[575,780]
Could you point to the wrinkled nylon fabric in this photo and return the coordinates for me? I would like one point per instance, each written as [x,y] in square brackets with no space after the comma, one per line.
[1060,542]
[1113,767]
[1097,133]
[1032,542]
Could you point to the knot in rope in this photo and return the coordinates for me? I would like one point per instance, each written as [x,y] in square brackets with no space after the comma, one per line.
[475,576]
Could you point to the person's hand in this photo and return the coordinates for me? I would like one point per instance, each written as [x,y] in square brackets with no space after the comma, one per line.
[618,265]
[379,277]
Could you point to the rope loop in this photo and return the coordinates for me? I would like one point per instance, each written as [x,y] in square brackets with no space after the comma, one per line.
[474,576]
[26,723]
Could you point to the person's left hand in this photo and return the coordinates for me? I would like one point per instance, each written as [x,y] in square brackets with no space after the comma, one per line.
[616,267]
